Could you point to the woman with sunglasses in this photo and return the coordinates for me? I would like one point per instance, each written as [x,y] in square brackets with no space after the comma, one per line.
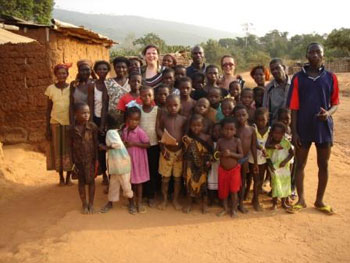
[228,67]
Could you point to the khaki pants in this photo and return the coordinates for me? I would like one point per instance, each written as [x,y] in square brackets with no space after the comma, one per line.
[115,182]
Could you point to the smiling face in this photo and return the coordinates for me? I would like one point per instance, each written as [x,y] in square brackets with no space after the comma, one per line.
[84,72]
[151,55]
[227,108]
[146,96]
[168,61]
[259,77]
[61,74]
[102,71]
[121,69]
[228,66]
[197,55]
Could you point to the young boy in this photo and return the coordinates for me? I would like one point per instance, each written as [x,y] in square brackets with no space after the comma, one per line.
[215,97]
[247,99]
[258,96]
[198,86]
[212,74]
[248,139]
[229,150]
[235,91]
[180,72]
[202,108]
[187,103]
[170,161]
[84,153]
[168,80]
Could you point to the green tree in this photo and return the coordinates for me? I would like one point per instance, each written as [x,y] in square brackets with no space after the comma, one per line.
[151,38]
[298,43]
[339,39]
[275,43]
[42,11]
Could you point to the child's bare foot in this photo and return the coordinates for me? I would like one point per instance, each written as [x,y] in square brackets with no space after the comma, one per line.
[163,205]
[91,209]
[85,209]
[187,209]
[242,209]
[61,183]
[141,209]
[285,204]
[234,213]
[257,206]
[132,209]
[176,205]
[222,213]
[69,183]
[151,202]
[274,207]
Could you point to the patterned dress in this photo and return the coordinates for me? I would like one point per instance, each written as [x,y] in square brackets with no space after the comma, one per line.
[115,92]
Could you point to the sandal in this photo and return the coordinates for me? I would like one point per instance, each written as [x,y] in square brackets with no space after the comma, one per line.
[132,210]
[141,209]
[327,209]
[295,209]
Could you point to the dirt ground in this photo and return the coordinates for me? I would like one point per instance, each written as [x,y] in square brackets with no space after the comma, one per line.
[41,222]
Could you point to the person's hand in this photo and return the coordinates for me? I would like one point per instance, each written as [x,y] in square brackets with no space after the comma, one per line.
[283,163]
[278,146]
[255,169]
[296,140]
[128,144]
[165,154]
[48,134]
[185,139]
[263,150]
[323,114]
[102,147]
[208,164]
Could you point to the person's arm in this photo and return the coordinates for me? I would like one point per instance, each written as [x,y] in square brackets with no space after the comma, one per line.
[253,149]
[104,109]
[91,98]
[288,158]
[295,136]
[239,154]
[48,117]
[71,102]
[137,144]
[159,125]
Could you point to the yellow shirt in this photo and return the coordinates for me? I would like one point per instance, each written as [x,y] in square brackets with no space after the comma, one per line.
[60,107]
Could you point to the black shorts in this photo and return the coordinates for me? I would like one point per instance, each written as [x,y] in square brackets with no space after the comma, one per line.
[323,145]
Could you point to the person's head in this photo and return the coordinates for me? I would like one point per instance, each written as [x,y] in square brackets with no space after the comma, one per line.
[61,72]
[169,61]
[216,133]
[173,104]
[121,66]
[228,125]
[84,69]
[168,77]
[241,114]
[277,132]
[135,80]
[260,74]
[278,69]
[314,54]
[185,87]
[196,124]
[214,97]
[135,65]
[247,97]
[228,65]
[197,54]
[133,116]
[198,80]
[81,113]
[227,106]
[151,54]
[180,71]
[212,74]
[235,88]
[113,119]
[283,115]
[202,106]
[162,94]
[261,117]
[102,68]
[258,93]
[146,95]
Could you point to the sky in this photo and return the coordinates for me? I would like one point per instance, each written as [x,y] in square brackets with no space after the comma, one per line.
[294,16]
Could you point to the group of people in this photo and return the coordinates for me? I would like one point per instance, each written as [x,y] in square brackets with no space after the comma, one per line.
[162,128]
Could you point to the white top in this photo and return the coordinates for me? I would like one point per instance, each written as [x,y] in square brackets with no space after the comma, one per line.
[261,140]
[148,124]
[98,102]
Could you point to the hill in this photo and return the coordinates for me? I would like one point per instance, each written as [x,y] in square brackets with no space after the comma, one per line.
[118,27]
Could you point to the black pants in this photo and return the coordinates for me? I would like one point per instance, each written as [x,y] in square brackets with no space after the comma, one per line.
[153,185]
[101,154]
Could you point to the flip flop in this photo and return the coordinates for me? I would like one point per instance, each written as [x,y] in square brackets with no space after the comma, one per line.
[327,209]
[295,209]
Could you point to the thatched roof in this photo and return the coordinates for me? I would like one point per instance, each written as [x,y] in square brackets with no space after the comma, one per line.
[9,37]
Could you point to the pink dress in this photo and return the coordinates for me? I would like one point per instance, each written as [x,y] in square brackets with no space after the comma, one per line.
[139,161]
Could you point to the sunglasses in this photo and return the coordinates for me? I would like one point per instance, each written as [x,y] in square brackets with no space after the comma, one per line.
[228,65]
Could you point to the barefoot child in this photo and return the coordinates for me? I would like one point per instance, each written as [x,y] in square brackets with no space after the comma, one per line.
[215,98]
[57,122]
[119,165]
[229,151]
[248,139]
[213,174]
[85,154]
[202,108]
[137,141]
[197,155]
[187,103]
[247,99]
[279,154]
[170,160]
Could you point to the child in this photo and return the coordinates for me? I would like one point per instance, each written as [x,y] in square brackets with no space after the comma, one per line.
[168,61]
[162,93]
[202,108]
[168,80]
[262,133]
[187,103]
[279,154]
[170,160]
[229,151]
[212,74]
[180,71]
[213,174]
[247,99]
[119,165]
[197,155]
[235,91]
[135,80]
[198,86]
[149,116]
[215,98]
[227,106]
[137,141]
[258,96]
[84,152]
[248,139]
[57,125]
[135,65]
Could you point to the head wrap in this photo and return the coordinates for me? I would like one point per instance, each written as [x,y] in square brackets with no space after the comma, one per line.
[84,62]
[65,66]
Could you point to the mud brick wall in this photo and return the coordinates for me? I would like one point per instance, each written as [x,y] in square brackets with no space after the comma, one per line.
[25,74]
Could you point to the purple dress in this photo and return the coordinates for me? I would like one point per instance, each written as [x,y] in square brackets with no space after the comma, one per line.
[139,162]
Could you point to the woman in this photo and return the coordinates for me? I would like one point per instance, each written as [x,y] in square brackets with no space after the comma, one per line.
[260,74]
[228,67]
[152,71]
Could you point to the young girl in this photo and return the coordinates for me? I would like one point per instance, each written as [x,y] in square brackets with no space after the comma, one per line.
[135,80]
[137,141]
[149,116]
[197,155]
[202,108]
[119,165]
[235,91]
[168,61]
[213,174]
[84,153]
[247,99]
[260,74]
[168,80]
[262,133]
[227,106]
[279,153]
[57,123]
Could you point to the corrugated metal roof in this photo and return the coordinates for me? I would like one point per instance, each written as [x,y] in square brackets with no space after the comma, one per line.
[9,37]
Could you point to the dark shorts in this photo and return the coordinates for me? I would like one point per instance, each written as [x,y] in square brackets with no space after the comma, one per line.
[324,145]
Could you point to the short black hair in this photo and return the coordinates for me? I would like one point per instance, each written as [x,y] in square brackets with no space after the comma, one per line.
[239,107]
[278,125]
[314,44]
[227,100]
[132,110]
[257,90]
[182,80]
[113,119]
[121,60]
[168,70]
[79,105]
[198,75]
[211,66]
[144,88]
[196,117]
[179,66]
[246,90]
[102,62]
[261,111]
[282,111]
[234,82]
[172,96]
[134,73]
[227,120]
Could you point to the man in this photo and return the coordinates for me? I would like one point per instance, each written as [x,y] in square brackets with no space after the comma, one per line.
[276,91]
[313,98]
[198,65]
